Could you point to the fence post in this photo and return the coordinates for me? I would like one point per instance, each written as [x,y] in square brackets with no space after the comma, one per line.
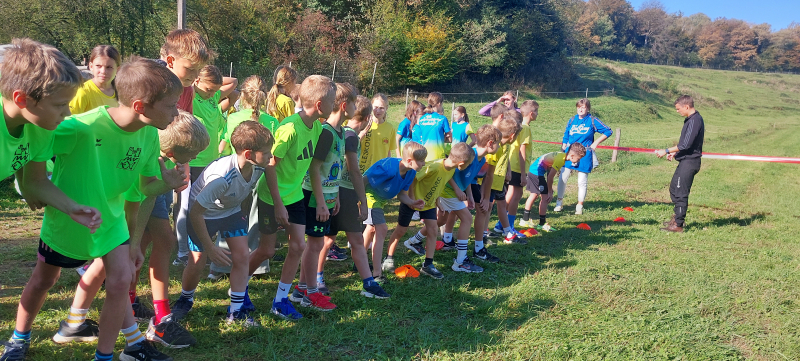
[454,106]
[517,97]
[372,83]
[231,72]
[406,98]
[616,144]
[587,93]
[333,76]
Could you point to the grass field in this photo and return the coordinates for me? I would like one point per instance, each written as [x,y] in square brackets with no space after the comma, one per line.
[726,289]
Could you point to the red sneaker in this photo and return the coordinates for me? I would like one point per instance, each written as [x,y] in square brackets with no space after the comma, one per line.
[318,302]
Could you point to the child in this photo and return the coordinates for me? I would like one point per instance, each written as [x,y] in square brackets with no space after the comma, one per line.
[216,200]
[548,165]
[386,179]
[98,91]
[279,103]
[111,148]
[376,139]
[413,111]
[180,142]
[581,128]
[185,52]
[252,97]
[321,191]
[428,185]
[462,131]
[501,173]
[456,192]
[280,195]
[519,163]
[36,85]
[433,129]
[509,99]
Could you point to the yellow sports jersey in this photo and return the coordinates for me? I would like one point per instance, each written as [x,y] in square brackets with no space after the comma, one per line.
[524,137]
[284,107]
[500,162]
[88,97]
[376,145]
[430,182]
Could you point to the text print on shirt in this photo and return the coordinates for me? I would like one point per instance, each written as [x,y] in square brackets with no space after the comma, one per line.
[131,159]
[579,129]
[21,156]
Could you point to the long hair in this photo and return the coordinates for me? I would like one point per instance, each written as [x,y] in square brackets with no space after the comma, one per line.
[284,75]
[111,52]
[463,110]
[434,99]
[254,95]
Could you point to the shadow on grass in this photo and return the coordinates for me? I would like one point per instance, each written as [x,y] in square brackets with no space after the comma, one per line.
[743,221]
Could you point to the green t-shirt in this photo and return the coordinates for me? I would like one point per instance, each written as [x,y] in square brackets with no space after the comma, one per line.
[34,144]
[96,162]
[329,150]
[244,115]
[134,193]
[207,111]
[294,145]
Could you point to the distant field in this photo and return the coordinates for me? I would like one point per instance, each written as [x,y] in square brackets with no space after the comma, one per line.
[727,289]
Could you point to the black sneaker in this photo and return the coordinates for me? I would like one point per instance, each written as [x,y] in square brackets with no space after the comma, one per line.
[181,261]
[141,312]
[88,331]
[242,317]
[466,266]
[448,246]
[323,289]
[431,270]
[278,258]
[15,350]
[334,255]
[485,255]
[375,291]
[181,308]
[415,247]
[169,333]
[382,280]
[495,234]
[142,351]
[297,294]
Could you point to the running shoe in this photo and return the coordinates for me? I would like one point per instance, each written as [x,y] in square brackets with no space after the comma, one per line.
[82,269]
[519,234]
[181,261]
[141,312]
[142,351]
[526,224]
[382,280]
[559,206]
[485,255]
[375,291]
[466,266]
[88,331]
[169,333]
[241,317]
[511,238]
[318,302]
[449,246]
[545,228]
[415,247]
[181,308]
[387,265]
[297,294]
[15,350]
[285,310]
[215,276]
[431,271]
[322,288]
[579,209]
[497,229]
[415,216]
[334,255]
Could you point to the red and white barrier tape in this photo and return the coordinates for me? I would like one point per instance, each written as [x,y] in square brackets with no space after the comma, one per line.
[755,158]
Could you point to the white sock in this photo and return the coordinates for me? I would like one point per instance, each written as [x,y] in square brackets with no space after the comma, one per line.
[508,230]
[419,237]
[237,298]
[132,334]
[462,246]
[478,245]
[447,237]
[76,316]
[283,291]
[189,295]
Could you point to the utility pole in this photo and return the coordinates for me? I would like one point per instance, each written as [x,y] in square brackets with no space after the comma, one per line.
[181,14]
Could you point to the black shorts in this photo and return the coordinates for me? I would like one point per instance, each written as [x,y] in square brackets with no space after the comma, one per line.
[266,216]
[405,214]
[314,228]
[53,258]
[516,179]
[476,193]
[537,184]
[194,173]
[501,194]
[347,218]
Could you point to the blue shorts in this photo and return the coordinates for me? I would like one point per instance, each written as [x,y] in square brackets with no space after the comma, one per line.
[162,206]
[231,226]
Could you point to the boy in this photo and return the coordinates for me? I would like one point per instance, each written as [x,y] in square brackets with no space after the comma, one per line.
[180,142]
[491,186]
[688,153]
[519,163]
[548,165]
[216,200]
[109,148]
[502,174]
[280,195]
[455,193]
[386,179]
[321,198]
[428,185]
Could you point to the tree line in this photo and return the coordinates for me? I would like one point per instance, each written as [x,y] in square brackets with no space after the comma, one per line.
[419,43]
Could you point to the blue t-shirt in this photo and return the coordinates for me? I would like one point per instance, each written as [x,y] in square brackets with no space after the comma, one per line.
[384,178]
[582,131]
[460,133]
[466,177]
[404,131]
[430,132]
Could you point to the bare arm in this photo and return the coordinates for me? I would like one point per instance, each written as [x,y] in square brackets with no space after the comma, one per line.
[398,150]
[358,183]
[472,140]
[216,254]
[316,184]
[228,86]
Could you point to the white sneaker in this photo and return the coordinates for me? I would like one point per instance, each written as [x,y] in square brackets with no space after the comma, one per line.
[526,224]
[559,206]
[579,209]
[415,216]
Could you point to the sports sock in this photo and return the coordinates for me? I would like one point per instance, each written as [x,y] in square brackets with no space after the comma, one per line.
[188,295]
[511,219]
[419,237]
[310,290]
[302,286]
[369,281]
[132,334]
[508,230]
[320,277]
[237,298]
[428,262]
[21,336]
[162,309]
[447,237]
[132,295]
[283,291]
[76,316]
[99,356]
[478,245]
[542,220]
[526,215]
[390,257]
[462,246]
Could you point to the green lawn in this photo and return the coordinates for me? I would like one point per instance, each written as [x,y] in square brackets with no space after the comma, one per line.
[726,289]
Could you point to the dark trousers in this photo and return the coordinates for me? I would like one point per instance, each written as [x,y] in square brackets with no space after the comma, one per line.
[681,185]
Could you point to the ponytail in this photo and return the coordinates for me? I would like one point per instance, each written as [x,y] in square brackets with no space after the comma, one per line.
[434,100]
[253,95]
[284,75]
[463,110]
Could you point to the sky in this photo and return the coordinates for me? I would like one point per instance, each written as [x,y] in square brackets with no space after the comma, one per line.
[778,13]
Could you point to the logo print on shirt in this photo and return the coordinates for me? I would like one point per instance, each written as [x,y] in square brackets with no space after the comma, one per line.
[97,142]
[579,129]
[307,151]
[21,156]
[131,159]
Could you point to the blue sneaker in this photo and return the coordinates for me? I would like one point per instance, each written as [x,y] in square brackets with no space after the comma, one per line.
[285,310]
[181,308]
[15,350]
[520,235]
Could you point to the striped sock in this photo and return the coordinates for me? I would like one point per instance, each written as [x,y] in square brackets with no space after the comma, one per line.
[76,316]
[462,246]
[419,237]
[21,336]
[132,334]
[478,245]
[189,295]
[237,298]
[301,285]
[99,356]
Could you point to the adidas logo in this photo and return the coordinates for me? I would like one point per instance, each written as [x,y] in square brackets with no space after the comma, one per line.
[307,151]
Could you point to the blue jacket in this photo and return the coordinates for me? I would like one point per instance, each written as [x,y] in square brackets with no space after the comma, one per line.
[582,131]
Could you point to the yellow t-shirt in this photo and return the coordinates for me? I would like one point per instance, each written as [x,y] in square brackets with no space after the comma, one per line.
[500,162]
[88,97]
[524,137]
[430,182]
[284,107]
[376,145]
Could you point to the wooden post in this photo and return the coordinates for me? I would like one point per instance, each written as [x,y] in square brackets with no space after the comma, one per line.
[406,98]
[616,144]
[231,72]
[181,14]
[454,106]
[333,76]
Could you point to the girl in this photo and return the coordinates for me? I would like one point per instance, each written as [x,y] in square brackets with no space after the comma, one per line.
[279,104]
[509,99]
[413,112]
[433,129]
[462,131]
[376,138]
[98,91]
[253,96]
[581,129]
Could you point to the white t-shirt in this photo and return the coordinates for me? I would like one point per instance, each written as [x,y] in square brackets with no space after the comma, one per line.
[221,187]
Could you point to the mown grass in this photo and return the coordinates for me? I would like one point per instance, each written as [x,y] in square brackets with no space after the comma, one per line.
[727,289]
